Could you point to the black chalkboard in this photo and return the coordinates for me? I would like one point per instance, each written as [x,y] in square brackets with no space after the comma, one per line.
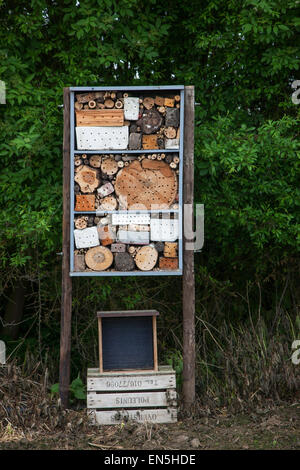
[127,343]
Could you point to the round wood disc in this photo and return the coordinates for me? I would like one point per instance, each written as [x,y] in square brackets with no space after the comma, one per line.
[98,258]
[109,166]
[87,178]
[109,203]
[144,184]
[151,121]
[146,258]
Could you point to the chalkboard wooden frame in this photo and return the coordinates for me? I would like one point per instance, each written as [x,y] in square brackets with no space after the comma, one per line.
[138,314]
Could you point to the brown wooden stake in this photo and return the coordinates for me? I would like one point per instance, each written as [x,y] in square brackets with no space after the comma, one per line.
[188,297]
[155,359]
[66,300]
[100,344]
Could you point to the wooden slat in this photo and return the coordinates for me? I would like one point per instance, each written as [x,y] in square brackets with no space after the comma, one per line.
[128,313]
[100,117]
[166,369]
[167,415]
[131,400]
[152,381]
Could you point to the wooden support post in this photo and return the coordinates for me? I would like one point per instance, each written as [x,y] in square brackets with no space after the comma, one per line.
[66,300]
[188,297]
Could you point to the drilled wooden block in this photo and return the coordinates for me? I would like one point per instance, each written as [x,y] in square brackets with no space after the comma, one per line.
[85,202]
[159,101]
[131,108]
[102,138]
[85,97]
[118,248]
[135,141]
[100,117]
[172,117]
[169,102]
[168,264]
[86,238]
[150,142]
[164,230]
[170,249]
[171,143]
[105,189]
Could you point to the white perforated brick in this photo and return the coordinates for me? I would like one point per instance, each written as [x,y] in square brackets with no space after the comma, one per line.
[172,143]
[102,138]
[125,219]
[131,108]
[164,230]
[135,238]
[86,238]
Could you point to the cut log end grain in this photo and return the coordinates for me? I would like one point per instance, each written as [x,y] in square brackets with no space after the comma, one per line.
[170,132]
[109,166]
[124,262]
[146,258]
[92,104]
[78,106]
[87,178]
[98,258]
[109,203]
[119,104]
[109,103]
[151,121]
[149,183]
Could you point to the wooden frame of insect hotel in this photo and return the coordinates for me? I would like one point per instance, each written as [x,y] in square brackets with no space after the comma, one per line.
[126,151]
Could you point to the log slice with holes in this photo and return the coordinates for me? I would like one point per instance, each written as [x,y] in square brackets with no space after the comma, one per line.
[146,183]
[98,258]
[146,258]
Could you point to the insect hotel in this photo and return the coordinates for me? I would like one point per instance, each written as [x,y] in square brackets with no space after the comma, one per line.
[125,219]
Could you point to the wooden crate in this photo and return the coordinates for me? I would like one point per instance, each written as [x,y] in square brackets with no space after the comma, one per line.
[141,396]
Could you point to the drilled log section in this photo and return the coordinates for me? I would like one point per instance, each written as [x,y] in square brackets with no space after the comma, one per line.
[146,183]
[108,203]
[148,102]
[95,161]
[85,97]
[151,121]
[146,258]
[98,258]
[170,132]
[109,166]
[80,222]
[100,117]
[87,178]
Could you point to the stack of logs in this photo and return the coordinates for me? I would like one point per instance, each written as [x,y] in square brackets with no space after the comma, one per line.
[103,246]
[153,121]
[111,182]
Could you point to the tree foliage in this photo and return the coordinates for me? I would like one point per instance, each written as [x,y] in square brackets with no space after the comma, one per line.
[242,58]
